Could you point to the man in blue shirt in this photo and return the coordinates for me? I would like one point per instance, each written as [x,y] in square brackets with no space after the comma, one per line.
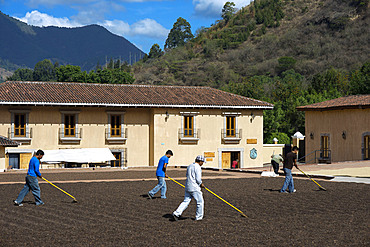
[161,174]
[31,180]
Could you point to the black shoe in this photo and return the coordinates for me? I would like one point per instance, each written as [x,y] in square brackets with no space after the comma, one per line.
[176,218]
[150,196]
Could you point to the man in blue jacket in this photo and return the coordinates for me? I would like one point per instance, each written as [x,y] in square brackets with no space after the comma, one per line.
[193,187]
[31,180]
[161,175]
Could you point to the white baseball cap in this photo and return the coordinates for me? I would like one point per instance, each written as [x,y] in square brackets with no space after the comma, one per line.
[200,158]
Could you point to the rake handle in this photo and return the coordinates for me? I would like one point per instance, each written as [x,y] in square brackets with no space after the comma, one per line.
[226,202]
[311,179]
[58,188]
[215,196]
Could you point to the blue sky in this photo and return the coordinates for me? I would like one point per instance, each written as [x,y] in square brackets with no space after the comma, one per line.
[142,22]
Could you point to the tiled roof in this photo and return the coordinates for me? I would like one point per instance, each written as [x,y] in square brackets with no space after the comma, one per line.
[348,102]
[124,95]
[5,142]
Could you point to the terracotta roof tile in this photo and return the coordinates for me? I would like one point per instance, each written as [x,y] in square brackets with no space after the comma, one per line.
[84,94]
[348,102]
[5,142]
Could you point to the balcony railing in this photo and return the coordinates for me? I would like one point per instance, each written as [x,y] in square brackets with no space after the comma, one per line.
[189,135]
[121,138]
[74,138]
[231,136]
[25,136]
[317,156]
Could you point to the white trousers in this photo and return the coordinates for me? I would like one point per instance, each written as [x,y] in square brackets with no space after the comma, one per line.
[198,196]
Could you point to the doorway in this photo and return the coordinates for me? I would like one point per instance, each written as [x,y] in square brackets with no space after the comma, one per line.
[230,159]
[325,146]
[14,161]
[367,147]
[117,162]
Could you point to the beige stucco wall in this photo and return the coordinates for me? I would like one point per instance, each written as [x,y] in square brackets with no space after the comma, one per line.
[355,122]
[209,122]
[46,121]
[270,149]
[149,133]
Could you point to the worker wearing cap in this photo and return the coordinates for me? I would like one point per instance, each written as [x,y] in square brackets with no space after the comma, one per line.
[192,189]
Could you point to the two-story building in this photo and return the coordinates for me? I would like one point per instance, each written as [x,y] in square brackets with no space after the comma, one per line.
[138,123]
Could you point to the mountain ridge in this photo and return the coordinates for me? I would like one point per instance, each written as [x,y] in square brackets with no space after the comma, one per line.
[24,45]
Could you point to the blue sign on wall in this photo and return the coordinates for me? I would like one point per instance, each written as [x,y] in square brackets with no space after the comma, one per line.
[253,154]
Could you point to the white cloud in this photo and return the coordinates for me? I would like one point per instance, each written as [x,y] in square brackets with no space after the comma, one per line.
[36,18]
[116,26]
[145,28]
[149,28]
[213,8]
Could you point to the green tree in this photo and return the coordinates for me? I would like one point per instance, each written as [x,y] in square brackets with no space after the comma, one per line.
[331,80]
[285,63]
[22,74]
[44,71]
[155,51]
[360,80]
[283,138]
[179,34]
[228,11]
[68,73]
[121,77]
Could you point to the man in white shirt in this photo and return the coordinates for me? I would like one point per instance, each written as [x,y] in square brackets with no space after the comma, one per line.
[192,189]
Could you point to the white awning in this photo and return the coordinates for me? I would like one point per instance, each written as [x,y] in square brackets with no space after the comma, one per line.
[80,155]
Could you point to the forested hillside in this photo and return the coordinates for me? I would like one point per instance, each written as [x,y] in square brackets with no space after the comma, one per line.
[287,52]
[22,45]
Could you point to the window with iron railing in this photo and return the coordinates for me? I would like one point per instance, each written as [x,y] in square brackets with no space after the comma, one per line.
[69,125]
[115,126]
[69,131]
[20,130]
[19,125]
[230,126]
[188,126]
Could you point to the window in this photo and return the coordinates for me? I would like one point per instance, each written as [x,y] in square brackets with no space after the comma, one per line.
[115,133]
[20,130]
[188,134]
[230,126]
[69,125]
[188,126]
[19,125]
[69,131]
[115,126]
[230,134]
